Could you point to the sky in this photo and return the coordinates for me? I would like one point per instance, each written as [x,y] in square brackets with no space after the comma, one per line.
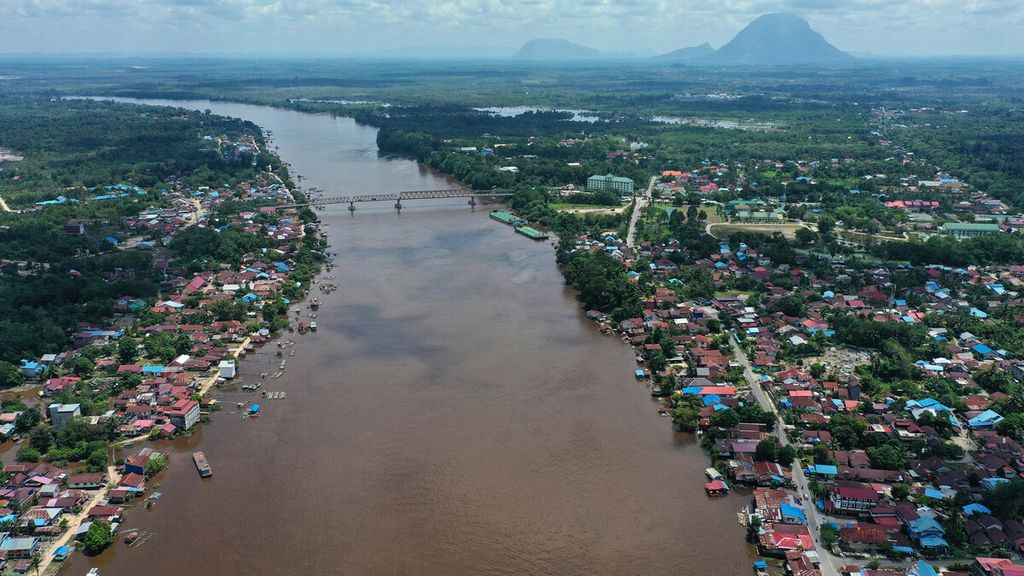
[351,27]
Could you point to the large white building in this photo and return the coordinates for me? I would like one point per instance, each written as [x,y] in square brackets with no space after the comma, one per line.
[61,414]
[610,182]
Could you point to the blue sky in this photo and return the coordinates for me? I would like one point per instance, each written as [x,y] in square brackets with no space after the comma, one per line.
[338,27]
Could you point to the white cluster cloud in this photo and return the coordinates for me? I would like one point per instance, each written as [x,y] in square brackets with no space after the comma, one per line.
[346,26]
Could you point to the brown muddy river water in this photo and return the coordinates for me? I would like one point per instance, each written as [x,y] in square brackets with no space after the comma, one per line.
[454,414]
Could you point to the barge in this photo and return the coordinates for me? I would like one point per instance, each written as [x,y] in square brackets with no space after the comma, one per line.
[532,233]
[202,465]
[503,217]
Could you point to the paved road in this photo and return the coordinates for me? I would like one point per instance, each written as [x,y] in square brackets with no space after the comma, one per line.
[828,561]
[638,208]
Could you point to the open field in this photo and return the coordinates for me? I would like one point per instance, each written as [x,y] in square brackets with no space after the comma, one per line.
[724,230]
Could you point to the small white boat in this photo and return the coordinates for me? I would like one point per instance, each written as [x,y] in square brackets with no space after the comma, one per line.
[93,572]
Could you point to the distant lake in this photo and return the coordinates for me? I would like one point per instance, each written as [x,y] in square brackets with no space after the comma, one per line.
[512,111]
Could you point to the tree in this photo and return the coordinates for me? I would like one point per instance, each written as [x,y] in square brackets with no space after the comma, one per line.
[29,454]
[98,537]
[886,457]
[806,236]
[41,439]
[767,450]
[127,350]
[725,419]
[826,224]
[36,562]
[156,463]
[1006,500]
[899,491]
[787,455]
[817,370]
[82,366]
[27,420]
[829,535]
[753,529]
[10,375]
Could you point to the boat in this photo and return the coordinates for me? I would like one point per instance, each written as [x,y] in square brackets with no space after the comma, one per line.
[503,217]
[202,465]
[713,474]
[312,326]
[532,233]
[254,410]
[93,572]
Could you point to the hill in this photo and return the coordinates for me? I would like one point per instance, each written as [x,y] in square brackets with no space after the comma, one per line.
[777,40]
[687,54]
[556,49]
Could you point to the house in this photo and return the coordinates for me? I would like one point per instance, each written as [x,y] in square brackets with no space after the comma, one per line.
[969,230]
[777,539]
[136,464]
[862,538]
[76,227]
[853,500]
[61,414]
[996,567]
[19,547]
[183,414]
[93,481]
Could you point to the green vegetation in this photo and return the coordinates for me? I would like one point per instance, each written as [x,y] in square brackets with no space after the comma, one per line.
[98,537]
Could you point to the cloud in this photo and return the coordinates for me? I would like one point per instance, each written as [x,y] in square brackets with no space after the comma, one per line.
[338,26]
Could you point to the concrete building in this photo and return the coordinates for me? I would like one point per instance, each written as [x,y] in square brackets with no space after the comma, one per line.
[183,414]
[61,414]
[969,230]
[610,182]
[227,369]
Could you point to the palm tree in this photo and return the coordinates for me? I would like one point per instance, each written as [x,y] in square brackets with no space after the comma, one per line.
[36,562]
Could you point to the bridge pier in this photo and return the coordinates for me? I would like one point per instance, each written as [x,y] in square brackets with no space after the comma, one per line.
[472,200]
[398,205]
[351,206]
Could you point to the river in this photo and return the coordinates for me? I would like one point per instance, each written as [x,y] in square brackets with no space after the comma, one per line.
[454,414]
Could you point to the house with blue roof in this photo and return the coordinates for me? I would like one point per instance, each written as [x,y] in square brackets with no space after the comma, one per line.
[929,528]
[827,470]
[32,370]
[992,482]
[975,508]
[983,350]
[987,420]
[792,514]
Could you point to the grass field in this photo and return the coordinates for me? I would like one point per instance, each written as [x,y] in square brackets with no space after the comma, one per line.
[724,230]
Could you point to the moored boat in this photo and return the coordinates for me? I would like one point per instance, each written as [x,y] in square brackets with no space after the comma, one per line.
[532,233]
[202,465]
[713,474]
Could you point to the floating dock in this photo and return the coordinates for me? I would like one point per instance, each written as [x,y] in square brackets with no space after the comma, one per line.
[531,233]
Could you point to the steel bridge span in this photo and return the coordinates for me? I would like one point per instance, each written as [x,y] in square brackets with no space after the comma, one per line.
[399,197]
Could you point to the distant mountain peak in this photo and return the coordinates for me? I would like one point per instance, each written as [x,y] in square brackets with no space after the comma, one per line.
[687,54]
[778,40]
[555,49]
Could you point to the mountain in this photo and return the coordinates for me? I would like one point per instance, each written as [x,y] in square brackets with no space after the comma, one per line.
[555,49]
[777,40]
[687,54]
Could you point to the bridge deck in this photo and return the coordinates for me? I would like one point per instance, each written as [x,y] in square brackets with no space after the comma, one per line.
[406,195]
